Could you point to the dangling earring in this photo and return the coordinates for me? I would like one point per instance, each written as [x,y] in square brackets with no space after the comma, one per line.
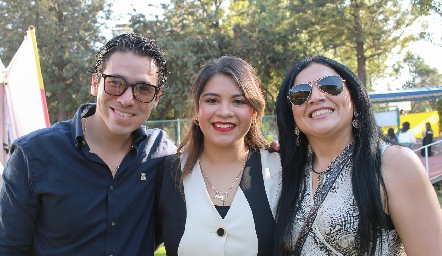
[196,122]
[297,131]
[355,121]
[253,123]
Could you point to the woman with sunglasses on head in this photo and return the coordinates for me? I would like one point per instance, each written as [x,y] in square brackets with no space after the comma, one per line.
[344,190]
[218,195]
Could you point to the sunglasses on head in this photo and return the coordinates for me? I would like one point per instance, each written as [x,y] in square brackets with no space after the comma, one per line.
[332,85]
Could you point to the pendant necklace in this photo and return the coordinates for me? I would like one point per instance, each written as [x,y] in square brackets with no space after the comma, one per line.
[319,179]
[223,195]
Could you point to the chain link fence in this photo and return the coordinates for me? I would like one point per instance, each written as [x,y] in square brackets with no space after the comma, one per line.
[176,129]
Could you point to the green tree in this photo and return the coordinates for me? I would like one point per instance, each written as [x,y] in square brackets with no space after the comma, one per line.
[67,33]
[439,111]
[360,33]
[191,33]
[421,75]
[263,34]
[426,6]
[272,35]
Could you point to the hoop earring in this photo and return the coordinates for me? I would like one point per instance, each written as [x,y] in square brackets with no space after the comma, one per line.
[355,121]
[196,122]
[297,132]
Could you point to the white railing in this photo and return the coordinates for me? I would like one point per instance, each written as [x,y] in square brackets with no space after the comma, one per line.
[434,151]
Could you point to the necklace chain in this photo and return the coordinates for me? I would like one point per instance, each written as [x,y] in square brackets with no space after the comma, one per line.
[223,195]
[320,173]
[84,126]
[84,134]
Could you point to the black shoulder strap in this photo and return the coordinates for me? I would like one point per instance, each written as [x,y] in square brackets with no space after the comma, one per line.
[320,196]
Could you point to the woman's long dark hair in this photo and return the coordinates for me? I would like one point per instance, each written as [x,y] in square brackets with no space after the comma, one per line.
[245,78]
[405,126]
[367,178]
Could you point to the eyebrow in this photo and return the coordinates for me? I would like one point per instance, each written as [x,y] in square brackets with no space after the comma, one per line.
[217,95]
[126,79]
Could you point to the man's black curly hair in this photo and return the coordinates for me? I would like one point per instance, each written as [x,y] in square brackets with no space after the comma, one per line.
[137,44]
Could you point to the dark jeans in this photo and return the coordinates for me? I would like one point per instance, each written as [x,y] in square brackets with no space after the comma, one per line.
[429,151]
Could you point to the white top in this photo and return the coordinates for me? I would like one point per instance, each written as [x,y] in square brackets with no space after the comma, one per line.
[407,137]
[200,237]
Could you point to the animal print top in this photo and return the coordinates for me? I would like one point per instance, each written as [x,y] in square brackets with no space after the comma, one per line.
[334,230]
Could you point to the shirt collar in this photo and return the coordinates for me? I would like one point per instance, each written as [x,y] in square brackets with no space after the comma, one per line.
[89,109]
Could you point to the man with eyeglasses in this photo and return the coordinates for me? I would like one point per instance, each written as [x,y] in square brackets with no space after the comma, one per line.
[86,186]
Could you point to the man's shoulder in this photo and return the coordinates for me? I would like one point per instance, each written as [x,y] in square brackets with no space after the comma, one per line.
[158,143]
[44,135]
[156,134]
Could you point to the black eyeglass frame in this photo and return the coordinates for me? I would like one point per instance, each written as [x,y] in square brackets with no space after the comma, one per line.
[340,88]
[157,88]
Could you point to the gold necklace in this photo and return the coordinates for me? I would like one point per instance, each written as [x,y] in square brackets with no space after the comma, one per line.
[84,134]
[319,179]
[223,195]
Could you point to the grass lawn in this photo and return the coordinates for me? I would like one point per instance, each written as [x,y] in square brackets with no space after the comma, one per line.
[161,251]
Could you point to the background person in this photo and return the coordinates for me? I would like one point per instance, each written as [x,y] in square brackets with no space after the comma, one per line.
[218,196]
[345,191]
[90,190]
[427,138]
[406,136]
[392,135]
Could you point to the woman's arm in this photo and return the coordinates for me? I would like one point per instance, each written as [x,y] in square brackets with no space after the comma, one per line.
[412,202]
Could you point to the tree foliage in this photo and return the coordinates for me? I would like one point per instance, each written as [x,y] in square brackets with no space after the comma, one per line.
[66,32]
[425,6]
[193,32]
[271,35]
[360,33]
[189,32]
[421,75]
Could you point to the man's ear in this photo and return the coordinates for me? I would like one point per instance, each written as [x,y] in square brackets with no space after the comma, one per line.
[94,84]
[157,99]
[159,94]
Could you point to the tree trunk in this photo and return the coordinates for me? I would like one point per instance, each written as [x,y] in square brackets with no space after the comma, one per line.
[163,114]
[362,70]
[62,113]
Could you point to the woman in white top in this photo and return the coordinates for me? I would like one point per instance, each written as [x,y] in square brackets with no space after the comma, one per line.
[218,195]
[406,136]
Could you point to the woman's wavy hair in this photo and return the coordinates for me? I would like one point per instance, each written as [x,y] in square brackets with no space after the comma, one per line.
[367,178]
[245,78]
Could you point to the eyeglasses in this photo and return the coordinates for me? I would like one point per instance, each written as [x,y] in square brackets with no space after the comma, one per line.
[116,86]
[331,85]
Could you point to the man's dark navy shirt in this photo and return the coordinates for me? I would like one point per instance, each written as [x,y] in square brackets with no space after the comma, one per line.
[60,199]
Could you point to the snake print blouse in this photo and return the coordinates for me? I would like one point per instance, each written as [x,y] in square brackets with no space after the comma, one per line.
[334,229]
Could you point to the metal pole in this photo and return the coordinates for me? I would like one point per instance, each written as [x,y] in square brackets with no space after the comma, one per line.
[178,132]
[426,160]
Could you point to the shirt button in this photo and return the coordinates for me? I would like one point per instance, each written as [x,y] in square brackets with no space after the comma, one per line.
[113,223]
[221,232]
[111,188]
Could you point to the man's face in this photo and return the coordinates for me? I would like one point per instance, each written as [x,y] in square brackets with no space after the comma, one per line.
[123,114]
